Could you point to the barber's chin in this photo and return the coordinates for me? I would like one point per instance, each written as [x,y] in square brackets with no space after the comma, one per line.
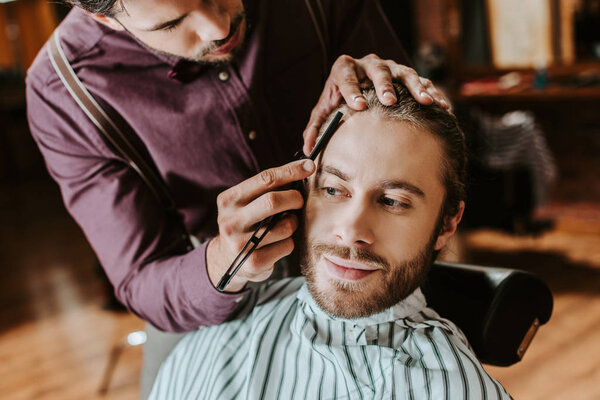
[342,273]
[217,59]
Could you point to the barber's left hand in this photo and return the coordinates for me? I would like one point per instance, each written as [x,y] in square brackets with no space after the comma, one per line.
[347,77]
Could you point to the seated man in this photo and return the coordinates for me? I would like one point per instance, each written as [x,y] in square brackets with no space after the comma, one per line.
[386,197]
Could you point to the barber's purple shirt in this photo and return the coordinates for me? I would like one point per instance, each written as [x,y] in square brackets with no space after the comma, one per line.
[206,128]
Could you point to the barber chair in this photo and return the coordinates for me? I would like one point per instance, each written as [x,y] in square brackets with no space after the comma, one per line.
[498,309]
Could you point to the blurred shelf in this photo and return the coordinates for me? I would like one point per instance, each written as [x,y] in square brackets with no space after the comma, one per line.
[549,94]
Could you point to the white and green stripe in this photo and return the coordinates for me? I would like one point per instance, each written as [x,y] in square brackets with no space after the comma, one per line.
[283,346]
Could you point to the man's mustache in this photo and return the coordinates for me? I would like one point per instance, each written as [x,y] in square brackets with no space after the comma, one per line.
[351,253]
[212,46]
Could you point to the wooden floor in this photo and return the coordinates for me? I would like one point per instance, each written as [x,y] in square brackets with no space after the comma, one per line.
[563,361]
[55,337]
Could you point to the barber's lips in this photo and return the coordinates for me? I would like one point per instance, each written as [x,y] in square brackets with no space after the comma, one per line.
[231,44]
[347,270]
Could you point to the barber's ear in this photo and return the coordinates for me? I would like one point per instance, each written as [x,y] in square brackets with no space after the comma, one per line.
[449,227]
[108,21]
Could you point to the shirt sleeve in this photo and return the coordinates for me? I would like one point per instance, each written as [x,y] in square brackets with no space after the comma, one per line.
[142,251]
[360,27]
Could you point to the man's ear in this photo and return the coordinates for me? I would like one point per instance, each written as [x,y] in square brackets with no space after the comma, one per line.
[449,227]
[108,21]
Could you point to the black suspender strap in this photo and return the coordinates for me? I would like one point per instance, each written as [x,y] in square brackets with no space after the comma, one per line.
[111,130]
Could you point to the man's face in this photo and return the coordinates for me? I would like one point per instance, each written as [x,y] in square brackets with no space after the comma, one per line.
[206,30]
[371,215]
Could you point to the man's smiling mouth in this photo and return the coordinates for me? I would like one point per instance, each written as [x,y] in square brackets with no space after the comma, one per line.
[346,269]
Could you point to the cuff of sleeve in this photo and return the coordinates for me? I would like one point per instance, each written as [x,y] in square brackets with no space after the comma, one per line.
[216,306]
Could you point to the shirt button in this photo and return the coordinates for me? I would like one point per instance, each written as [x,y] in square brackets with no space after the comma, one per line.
[252,135]
[224,76]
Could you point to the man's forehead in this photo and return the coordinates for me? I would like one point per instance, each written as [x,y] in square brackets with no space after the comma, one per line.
[368,146]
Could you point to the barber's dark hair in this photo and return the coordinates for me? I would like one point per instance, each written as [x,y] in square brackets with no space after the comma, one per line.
[439,122]
[105,7]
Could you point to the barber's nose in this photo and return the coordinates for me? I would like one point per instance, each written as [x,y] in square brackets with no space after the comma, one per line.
[355,227]
[212,24]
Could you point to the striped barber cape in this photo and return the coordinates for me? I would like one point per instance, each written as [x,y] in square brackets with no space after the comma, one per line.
[283,346]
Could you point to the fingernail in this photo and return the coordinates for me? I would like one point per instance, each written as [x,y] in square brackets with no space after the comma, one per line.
[359,98]
[389,96]
[425,94]
[444,104]
[308,165]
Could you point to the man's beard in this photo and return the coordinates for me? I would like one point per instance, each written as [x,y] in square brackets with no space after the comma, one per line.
[352,300]
[212,46]
[207,48]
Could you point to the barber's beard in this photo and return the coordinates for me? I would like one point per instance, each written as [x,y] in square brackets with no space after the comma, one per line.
[207,48]
[212,46]
[369,296]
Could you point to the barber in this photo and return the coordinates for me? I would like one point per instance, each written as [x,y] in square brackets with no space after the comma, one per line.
[216,91]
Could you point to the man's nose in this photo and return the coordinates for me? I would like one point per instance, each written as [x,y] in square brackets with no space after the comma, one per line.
[354,228]
[212,23]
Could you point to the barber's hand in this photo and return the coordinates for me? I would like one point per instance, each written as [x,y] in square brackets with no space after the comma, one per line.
[347,77]
[241,208]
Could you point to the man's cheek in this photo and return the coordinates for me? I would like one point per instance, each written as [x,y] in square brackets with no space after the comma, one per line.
[320,216]
[311,219]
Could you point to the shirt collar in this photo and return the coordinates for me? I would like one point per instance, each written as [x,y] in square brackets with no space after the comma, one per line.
[185,71]
[180,69]
[411,305]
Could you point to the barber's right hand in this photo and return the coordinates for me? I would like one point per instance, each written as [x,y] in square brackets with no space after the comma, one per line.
[241,208]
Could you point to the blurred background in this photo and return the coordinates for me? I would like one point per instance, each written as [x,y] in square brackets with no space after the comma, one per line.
[524,80]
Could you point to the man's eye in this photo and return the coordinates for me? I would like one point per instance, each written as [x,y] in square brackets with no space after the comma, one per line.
[171,28]
[329,191]
[389,202]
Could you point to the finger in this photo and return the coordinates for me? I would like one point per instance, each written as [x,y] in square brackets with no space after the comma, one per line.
[410,79]
[256,273]
[260,264]
[264,182]
[282,230]
[434,93]
[345,76]
[379,73]
[266,206]
[363,80]
[317,118]
[310,138]
[330,98]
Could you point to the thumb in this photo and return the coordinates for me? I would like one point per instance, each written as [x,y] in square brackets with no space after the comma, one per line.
[310,137]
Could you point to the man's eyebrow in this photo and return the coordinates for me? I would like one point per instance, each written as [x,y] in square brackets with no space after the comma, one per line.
[163,25]
[388,184]
[399,184]
[333,171]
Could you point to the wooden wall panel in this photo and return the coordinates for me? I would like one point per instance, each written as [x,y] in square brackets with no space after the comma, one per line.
[567,11]
[36,20]
[7,59]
